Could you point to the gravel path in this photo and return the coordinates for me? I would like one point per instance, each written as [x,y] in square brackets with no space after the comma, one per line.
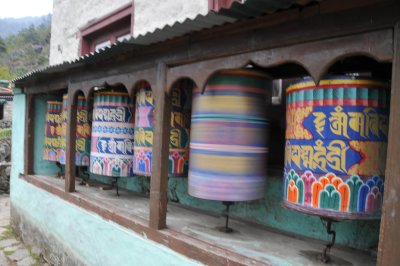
[12,250]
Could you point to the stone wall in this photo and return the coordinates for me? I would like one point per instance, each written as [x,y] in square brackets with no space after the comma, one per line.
[70,16]
[5,154]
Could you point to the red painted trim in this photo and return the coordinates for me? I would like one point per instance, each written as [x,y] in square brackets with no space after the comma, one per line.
[107,20]
[106,28]
[216,5]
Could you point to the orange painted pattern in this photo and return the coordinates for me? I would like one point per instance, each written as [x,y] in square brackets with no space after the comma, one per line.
[292,192]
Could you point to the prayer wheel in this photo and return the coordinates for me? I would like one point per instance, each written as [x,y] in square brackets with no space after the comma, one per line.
[181,94]
[143,151]
[336,142]
[83,130]
[229,137]
[112,134]
[53,132]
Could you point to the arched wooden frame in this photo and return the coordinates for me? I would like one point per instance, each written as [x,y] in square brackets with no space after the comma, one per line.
[315,57]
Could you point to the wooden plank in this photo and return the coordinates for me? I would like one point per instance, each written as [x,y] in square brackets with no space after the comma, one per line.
[159,176]
[71,138]
[388,253]
[29,134]
[204,252]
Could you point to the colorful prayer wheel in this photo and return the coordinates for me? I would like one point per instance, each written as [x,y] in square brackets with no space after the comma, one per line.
[53,132]
[83,131]
[181,99]
[112,134]
[144,130]
[229,137]
[181,94]
[336,142]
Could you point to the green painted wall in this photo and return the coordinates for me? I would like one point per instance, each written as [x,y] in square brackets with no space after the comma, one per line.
[268,211]
[362,235]
[87,235]
[41,166]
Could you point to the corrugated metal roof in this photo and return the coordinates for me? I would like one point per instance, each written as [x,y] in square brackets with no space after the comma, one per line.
[237,11]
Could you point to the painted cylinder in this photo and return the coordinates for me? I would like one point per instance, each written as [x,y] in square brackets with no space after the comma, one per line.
[53,132]
[112,134]
[181,99]
[229,133]
[143,156]
[83,132]
[336,142]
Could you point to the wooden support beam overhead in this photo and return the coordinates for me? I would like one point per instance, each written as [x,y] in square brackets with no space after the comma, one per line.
[29,134]
[71,140]
[303,2]
[388,253]
[159,176]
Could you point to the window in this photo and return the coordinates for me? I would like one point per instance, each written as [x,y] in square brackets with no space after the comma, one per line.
[107,30]
[216,5]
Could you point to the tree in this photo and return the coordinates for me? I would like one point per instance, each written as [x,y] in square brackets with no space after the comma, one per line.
[3,48]
[5,73]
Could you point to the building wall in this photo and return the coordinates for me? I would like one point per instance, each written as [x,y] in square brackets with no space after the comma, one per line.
[67,234]
[150,15]
[69,16]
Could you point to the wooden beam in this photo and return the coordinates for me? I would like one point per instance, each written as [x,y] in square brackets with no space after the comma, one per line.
[71,137]
[29,134]
[159,176]
[388,253]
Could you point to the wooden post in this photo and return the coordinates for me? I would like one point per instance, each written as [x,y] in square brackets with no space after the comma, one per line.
[388,253]
[71,136]
[29,134]
[159,176]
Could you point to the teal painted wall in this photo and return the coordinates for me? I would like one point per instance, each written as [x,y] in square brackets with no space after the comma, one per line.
[90,237]
[41,166]
[268,211]
[362,235]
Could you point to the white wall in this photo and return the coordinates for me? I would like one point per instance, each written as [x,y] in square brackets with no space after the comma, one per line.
[152,14]
[69,16]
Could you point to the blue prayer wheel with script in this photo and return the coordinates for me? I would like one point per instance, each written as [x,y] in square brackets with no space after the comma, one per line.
[181,99]
[336,142]
[229,137]
[144,130]
[112,134]
[83,132]
[53,132]
[181,94]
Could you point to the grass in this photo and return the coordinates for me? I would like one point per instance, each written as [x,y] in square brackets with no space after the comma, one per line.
[8,233]
[8,253]
[39,260]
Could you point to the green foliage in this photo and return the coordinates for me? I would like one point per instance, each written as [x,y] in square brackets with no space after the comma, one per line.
[5,73]
[24,52]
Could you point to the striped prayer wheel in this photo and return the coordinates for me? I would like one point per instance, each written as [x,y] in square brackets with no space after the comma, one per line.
[53,132]
[143,151]
[229,133]
[83,132]
[112,134]
[336,142]
[181,94]
[181,99]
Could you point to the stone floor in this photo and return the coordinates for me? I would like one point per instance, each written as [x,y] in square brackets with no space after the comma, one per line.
[12,250]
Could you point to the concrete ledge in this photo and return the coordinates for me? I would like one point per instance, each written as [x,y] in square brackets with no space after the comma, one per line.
[53,249]
[188,246]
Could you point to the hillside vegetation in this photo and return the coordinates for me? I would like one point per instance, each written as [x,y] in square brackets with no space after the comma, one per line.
[25,51]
